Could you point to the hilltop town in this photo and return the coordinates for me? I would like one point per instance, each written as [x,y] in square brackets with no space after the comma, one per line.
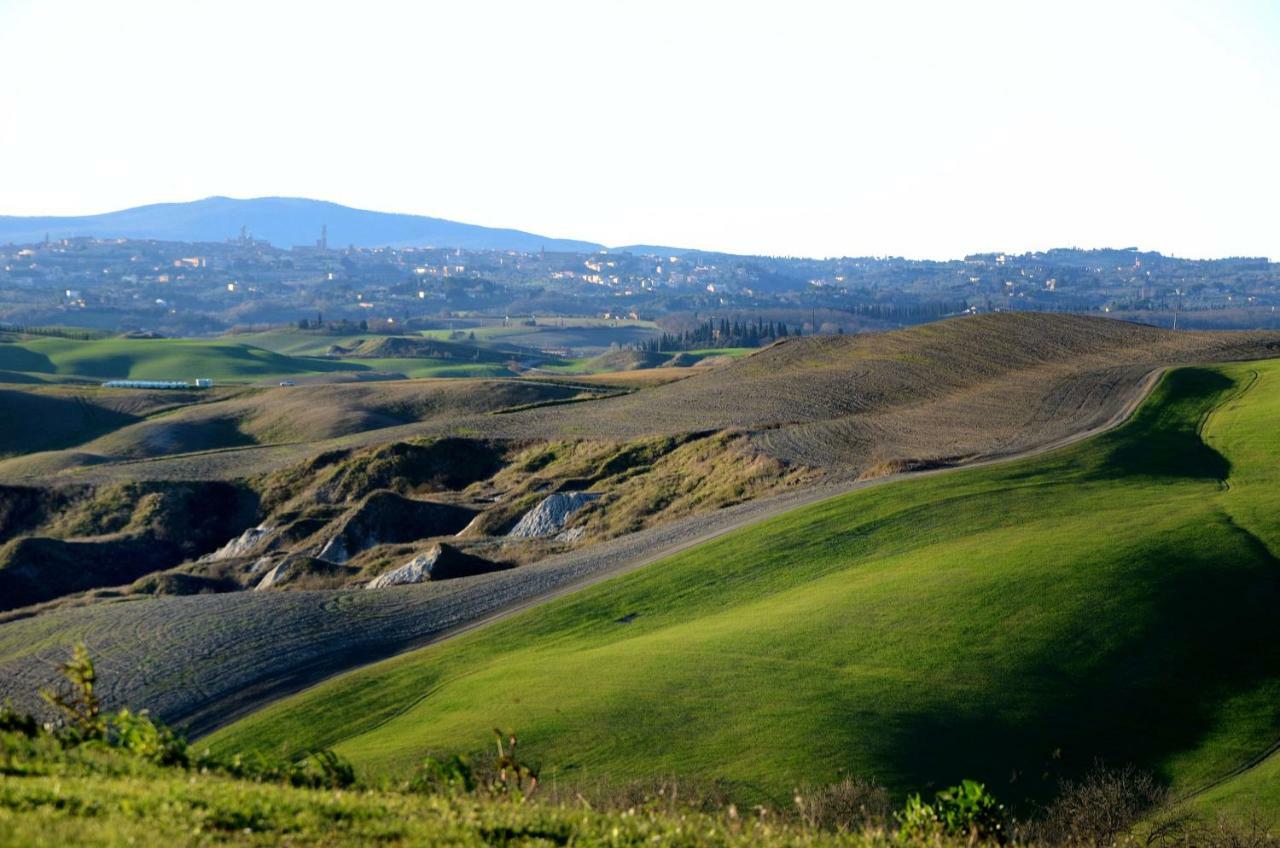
[188,288]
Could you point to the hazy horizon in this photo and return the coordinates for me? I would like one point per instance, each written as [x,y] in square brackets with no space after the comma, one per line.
[925,130]
[991,250]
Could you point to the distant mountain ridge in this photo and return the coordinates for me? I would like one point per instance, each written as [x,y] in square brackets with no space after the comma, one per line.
[283,221]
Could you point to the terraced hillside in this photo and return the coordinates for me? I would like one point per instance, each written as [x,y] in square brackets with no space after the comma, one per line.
[1114,598]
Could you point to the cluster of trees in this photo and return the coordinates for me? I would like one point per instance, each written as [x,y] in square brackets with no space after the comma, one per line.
[343,326]
[722,333]
[74,333]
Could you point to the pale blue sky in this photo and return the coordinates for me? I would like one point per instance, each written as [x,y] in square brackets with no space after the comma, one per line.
[927,129]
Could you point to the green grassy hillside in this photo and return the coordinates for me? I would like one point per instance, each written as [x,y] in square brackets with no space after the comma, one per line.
[298,343]
[157,359]
[1011,623]
[221,360]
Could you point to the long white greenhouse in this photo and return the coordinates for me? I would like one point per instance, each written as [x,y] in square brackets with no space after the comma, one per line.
[158,384]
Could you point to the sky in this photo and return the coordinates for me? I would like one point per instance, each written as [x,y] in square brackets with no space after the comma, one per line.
[918,129]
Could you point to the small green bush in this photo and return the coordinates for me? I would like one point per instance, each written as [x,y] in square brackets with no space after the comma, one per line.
[451,776]
[79,706]
[515,778]
[12,721]
[83,723]
[142,737]
[847,806]
[332,771]
[966,810]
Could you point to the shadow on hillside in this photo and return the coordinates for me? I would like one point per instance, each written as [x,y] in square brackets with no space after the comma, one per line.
[167,524]
[166,436]
[20,377]
[1140,690]
[109,366]
[31,421]
[14,357]
[1163,439]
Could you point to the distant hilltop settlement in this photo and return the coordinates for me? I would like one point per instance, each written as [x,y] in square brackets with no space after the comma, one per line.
[201,383]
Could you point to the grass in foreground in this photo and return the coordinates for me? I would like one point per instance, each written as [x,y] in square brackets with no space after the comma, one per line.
[106,778]
[97,778]
[147,808]
[1010,623]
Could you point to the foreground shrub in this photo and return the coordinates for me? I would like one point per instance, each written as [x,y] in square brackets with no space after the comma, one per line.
[1100,807]
[505,776]
[78,703]
[443,776]
[12,721]
[142,737]
[83,723]
[849,806]
[966,811]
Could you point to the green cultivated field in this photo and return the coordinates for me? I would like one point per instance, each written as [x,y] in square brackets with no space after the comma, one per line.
[296,343]
[156,359]
[587,335]
[221,360]
[276,355]
[1010,623]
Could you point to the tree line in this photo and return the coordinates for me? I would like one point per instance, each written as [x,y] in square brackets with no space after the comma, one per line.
[73,333]
[343,326]
[722,333]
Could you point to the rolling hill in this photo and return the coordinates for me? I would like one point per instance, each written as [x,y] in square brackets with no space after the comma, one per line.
[230,360]
[44,418]
[157,359]
[1111,599]
[283,221]
[868,406]
[287,416]
[935,394]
